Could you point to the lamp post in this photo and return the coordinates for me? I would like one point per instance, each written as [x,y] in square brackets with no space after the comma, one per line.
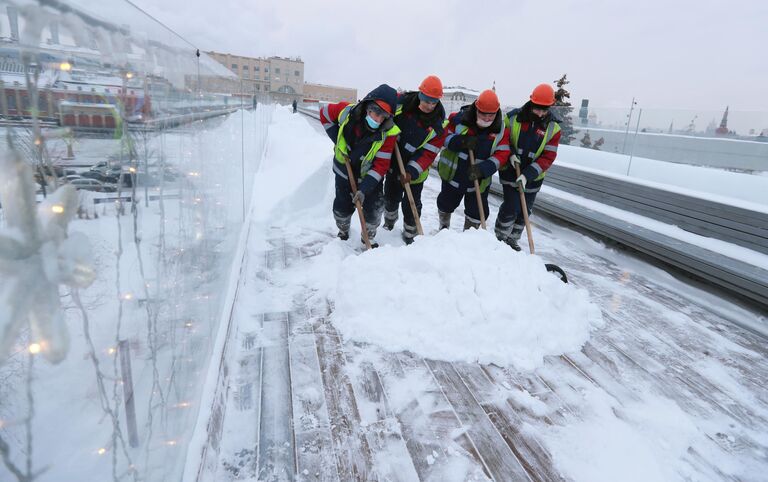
[629,119]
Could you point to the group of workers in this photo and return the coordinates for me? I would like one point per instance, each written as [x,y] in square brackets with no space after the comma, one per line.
[470,145]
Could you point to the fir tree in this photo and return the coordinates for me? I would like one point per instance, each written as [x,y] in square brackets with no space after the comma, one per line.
[563,110]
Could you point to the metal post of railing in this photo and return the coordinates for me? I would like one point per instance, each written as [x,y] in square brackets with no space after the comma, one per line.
[634,140]
[626,132]
[127,379]
[242,147]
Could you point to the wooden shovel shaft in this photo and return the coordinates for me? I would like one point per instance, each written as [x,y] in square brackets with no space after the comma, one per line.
[479,196]
[408,192]
[359,207]
[524,207]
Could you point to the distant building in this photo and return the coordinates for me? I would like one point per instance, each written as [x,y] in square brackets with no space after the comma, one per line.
[282,78]
[328,93]
[456,97]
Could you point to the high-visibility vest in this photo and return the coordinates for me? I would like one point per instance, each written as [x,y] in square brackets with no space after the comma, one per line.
[431,134]
[552,129]
[341,149]
[449,160]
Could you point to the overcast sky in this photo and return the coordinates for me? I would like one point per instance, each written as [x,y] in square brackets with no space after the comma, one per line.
[666,53]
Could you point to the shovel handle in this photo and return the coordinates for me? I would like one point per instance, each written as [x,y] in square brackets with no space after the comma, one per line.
[524,207]
[479,197]
[359,207]
[408,192]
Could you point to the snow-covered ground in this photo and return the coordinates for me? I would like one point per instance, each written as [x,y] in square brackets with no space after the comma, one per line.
[740,189]
[626,373]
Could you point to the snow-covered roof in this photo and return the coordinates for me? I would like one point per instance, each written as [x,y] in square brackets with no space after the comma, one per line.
[461,89]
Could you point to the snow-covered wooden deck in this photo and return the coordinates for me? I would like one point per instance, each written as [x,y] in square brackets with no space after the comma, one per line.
[669,389]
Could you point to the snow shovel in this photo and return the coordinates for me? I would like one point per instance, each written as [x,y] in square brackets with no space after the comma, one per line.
[552,268]
[407,187]
[359,206]
[477,191]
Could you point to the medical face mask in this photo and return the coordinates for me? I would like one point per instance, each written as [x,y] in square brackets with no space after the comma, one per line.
[483,124]
[372,123]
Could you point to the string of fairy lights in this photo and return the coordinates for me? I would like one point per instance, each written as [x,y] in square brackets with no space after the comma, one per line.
[205,203]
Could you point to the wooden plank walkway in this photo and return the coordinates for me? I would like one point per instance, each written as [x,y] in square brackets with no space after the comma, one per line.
[307,405]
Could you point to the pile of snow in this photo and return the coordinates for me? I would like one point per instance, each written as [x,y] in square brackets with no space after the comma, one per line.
[295,151]
[454,296]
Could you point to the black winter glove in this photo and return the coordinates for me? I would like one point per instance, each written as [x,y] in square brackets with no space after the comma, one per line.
[475,173]
[458,143]
[410,174]
[468,142]
[481,170]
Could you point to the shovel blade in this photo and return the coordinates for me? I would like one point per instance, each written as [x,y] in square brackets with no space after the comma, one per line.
[558,271]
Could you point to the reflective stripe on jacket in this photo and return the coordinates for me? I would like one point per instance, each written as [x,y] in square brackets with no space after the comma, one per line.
[529,158]
[342,149]
[449,159]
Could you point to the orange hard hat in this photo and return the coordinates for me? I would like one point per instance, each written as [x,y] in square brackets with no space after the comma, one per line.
[543,94]
[384,106]
[431,87]
[487,102]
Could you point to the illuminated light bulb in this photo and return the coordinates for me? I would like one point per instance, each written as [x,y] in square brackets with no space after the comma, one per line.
[35,348]
[129,75]
[38,141]
[132,170]
[65,66]
[57,208]
[128,296]
[111,350]
[188,324]
[101,451]
[170,442]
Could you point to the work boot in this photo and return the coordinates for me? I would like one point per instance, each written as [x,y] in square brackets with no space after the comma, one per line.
[342,222]
[444,219]
[371,228]
[514,237]
[503,230]
[390,218]
[513,244]
[409,232]
[374,244]
[471,223]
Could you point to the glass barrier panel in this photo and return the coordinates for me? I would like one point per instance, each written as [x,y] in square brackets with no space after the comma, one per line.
[126,160]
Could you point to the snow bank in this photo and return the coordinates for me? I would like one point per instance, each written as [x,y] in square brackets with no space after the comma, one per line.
[295,152]
[454,296]
[719,185]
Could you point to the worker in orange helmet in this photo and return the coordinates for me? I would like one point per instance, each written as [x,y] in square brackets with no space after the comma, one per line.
[364,135]
[420,116]
[534,135]
[479,127]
